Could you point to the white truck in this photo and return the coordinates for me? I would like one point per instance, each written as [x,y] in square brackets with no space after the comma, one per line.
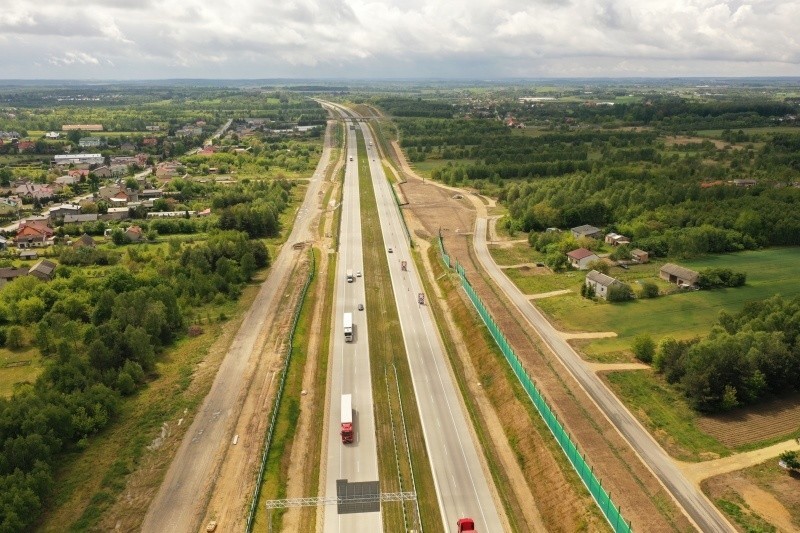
[347,419]
[349,275]
[348,327]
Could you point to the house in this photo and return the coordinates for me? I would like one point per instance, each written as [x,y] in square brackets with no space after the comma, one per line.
[77,219]
[679,275]
[89,142]
[615,239]
[64,209]
[587,231]
[82,127]
[171,214]
[10,274]
[34,191]
[167,170]
[43,270]
[127,146]
[33,233]
[26,146]
[52,135]
[84,241]
[600,282]
[151,193]
[78,173]
[134,233]
[78,159]
[152,142]
[116,213]
[102,172]
[581,258]
[67,179]
[28,254]
[640,256]
[3,243]
[744,182]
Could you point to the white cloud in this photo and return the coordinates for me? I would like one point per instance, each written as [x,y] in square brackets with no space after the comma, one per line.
[363,38]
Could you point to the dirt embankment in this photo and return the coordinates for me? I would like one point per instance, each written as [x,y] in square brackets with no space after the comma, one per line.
[562,503]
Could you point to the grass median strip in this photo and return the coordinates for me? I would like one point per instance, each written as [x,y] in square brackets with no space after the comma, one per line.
[387,350]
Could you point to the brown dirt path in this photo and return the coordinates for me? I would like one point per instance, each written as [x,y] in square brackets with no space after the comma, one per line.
[643,499]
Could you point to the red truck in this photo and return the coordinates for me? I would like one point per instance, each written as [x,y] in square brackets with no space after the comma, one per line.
[347,419]
[466,525]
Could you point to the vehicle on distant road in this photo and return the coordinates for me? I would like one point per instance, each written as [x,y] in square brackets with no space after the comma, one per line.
[358,274]
[390,249]
[348,327]
[360,307]
[421,299]
[466,525]
[349,275]
[351,158]
[347,418]
[403,266]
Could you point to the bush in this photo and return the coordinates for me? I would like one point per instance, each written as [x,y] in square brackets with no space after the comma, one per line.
[620,292]
[599,265]
[649,289]
[712,278]
[790,459]
[644,348]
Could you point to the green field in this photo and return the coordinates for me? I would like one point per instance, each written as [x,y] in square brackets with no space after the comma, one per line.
[679,315]
[18,366]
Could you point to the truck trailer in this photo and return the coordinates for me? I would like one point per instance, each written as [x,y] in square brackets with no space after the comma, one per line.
[347,418]
[348,327]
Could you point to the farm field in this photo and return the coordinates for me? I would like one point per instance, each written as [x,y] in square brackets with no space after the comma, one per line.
[679,315]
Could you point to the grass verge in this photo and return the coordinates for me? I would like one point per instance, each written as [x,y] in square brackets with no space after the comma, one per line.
[278,459]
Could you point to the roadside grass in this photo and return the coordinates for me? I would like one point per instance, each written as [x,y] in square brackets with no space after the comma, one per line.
[18,367]
[273,485]
[741,513]
[681,315]
[663,410]
[387,354]
[514,255]
[530,282]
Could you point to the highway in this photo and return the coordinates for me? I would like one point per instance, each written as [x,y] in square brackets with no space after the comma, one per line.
[181,500]
[350,366]
[462,487]
[705,516]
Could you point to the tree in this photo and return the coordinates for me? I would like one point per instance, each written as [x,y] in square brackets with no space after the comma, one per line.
[600,266]
[648,289]
[619,292]
[790,459]
[644,348]
[15,337]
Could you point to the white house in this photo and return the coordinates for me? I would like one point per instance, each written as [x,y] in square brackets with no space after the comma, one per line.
[600,283]
[581,258]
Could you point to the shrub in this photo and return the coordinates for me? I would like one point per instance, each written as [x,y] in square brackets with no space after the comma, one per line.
[712,278]
[644,348]
[600,266]
[620,292]
[648,289]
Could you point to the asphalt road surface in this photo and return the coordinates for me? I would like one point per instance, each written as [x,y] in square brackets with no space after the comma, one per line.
[693,501]
[350,373]
[180,502]
[462,488]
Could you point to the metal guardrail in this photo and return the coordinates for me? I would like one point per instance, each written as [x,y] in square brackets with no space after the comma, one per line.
[276,407]
[601,496]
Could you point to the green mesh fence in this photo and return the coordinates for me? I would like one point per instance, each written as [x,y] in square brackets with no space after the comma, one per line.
[611,512]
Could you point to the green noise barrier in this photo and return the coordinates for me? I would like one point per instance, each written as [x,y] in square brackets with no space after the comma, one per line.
[601,496]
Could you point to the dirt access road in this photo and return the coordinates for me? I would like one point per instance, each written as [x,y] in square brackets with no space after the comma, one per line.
[181,502]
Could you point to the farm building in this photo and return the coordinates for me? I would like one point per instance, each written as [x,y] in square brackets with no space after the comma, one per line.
[600,283]
[615,239]
[640,256]
[587,231]
[581,258]
[679,275]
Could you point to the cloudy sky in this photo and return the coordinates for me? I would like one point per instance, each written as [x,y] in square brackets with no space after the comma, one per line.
[151,39]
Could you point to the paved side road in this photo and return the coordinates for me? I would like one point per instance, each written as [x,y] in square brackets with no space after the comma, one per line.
[705,516]
[181,500]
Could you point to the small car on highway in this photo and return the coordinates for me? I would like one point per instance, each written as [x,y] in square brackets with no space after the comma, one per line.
[360,307]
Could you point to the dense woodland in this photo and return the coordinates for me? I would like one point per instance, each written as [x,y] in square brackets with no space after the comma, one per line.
[748,356]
